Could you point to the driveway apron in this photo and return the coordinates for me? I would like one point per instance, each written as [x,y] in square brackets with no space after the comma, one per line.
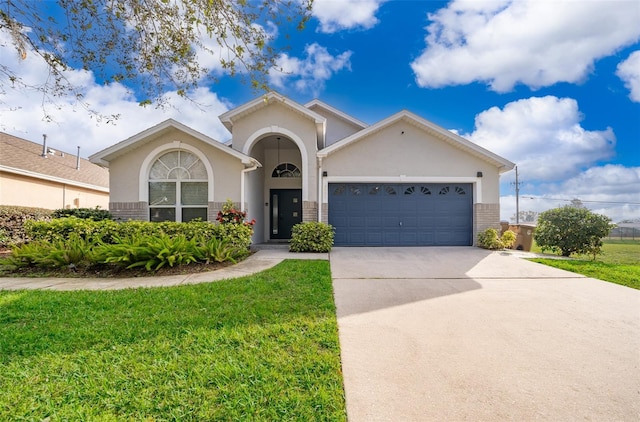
[460,333]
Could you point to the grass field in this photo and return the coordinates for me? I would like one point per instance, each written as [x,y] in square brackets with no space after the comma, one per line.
[260,348]
[620,263]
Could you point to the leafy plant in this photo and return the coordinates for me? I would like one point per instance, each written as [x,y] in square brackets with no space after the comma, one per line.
[95,214]
[72,252]
[489,239]
[571,229]
[152,253]
[217,250]
[311,237]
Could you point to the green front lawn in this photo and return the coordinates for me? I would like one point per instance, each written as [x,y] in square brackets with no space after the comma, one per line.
[620,263]
[262,347]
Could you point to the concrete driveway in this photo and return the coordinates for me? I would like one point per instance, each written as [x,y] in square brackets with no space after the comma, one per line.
[460,333]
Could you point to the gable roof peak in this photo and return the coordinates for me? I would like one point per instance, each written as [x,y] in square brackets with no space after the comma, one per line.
[316,103]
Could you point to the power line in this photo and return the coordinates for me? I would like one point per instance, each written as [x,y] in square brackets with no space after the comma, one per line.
[583,201]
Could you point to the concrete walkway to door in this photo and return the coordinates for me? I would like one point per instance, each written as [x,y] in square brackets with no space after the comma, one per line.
[457,333]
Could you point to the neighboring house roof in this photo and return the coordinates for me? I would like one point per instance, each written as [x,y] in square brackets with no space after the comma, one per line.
[246,109]
[106,155]
[23,157]
[315,104]
[439,132]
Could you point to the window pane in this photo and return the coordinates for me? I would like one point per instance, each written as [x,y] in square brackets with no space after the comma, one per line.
[193,193]
[189,214]
[162,193]
[178,174]
[162,214]
[198,171]
[170,159]
[158,171]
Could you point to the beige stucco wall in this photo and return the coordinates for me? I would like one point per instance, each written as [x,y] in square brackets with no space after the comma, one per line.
[337,128]
[32,192]
[403,149]
[125,170]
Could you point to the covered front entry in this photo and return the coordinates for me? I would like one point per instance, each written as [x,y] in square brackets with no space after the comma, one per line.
[286,212]
[415,214]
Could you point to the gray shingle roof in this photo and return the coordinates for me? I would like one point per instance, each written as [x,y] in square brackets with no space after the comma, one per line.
[24,155]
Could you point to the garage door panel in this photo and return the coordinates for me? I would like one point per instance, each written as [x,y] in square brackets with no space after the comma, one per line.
[380,214]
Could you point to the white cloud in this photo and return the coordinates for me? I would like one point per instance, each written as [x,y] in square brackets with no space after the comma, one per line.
[337,15]
[543,136]
[629,72]
[611,190]
[536,43]
[22,110]
[311,73]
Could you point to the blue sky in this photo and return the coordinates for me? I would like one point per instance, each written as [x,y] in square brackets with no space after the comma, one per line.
[553,86]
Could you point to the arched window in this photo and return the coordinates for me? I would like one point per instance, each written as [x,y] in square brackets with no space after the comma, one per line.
[286,170]
[178,188]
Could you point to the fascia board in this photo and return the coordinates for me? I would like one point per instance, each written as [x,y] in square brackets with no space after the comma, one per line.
[337,112]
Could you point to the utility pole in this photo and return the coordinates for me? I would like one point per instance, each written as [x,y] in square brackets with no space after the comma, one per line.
[517,185]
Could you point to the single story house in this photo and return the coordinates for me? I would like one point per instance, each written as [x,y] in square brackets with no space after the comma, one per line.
[400,181]
[34,175]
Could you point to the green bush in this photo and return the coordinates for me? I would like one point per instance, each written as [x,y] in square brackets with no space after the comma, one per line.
[95,214]
[12,221]
[489,239]
[572,229]
[108,231]
[311,237]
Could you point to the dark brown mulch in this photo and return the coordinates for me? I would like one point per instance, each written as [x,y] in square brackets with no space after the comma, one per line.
[107,271]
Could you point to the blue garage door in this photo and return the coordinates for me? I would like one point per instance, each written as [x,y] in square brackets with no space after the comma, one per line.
[385,214]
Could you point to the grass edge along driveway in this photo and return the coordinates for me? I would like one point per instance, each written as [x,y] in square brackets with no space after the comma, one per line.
[619,263]
[261,347]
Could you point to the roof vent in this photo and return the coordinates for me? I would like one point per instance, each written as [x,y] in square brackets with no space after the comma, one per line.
[44,145]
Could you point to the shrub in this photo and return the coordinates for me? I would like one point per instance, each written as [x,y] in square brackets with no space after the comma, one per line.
[72,252]
[152,253]
[95,214]
[218,250]
[12,221]
[108,231]
[571,229]
[311,237]
[489,239]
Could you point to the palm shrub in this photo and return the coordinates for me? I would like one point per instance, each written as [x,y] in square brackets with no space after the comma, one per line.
[152,253]
[311,237]
[218,250]
[73,252]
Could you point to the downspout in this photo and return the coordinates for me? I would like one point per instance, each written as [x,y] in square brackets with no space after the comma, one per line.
[320,185]
[242,183]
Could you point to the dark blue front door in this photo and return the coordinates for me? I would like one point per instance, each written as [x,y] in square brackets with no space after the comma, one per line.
[386,214]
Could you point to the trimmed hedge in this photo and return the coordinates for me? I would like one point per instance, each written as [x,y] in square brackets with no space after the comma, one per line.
[311,237]
[110,232]
[12,219]
[96,213]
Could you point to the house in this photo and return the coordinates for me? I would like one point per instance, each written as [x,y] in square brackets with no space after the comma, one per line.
[33,175]
[400,181]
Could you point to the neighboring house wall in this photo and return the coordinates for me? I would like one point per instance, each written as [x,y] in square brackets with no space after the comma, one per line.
[55,180]
[34,192]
